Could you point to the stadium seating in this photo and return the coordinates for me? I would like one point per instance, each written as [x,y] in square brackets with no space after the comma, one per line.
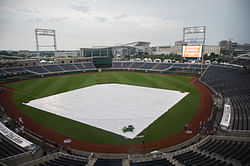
[236,150]
[52,68]
[68,67]
[79,66]
[195,158]
[148,65]
[126,64]
[241,62]
[157,66]
[161,162]
[136,65]
[163,66]
[232,83]
[65,160]
[108,162]
[2,73]
[14,69]
[180,65]
[47,68]
[117,64]
[8,149]
[36,69]
[88,65]
[197,66]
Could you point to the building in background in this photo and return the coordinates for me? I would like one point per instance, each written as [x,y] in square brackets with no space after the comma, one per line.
[89,53]
[18,62]
[179,43]
[140,46]
[226,47]
[71,53]
[23,52]
[233,48]
[208,49]
[166,50]
[118,52]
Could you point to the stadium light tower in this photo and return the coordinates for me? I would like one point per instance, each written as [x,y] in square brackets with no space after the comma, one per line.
[45,32]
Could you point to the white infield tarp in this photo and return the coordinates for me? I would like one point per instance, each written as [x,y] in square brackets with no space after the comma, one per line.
[111,106]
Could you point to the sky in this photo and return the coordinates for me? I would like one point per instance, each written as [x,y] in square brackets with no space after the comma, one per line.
[87,23]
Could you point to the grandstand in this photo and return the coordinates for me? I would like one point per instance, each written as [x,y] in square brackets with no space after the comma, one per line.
[214,145]
[232,83]
[87,66]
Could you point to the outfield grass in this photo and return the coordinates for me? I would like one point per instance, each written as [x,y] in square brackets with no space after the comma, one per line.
[168,124]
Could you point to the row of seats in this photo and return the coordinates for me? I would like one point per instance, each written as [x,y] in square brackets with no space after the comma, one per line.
[65,160]
[236,150]
[8,149]
[161,162]
[194,158]
[108,162]
[241,62]
[85,66]
[48,68]
[232,83]
[156,66]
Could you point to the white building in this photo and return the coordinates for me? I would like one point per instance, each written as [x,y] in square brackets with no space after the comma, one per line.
[208,49]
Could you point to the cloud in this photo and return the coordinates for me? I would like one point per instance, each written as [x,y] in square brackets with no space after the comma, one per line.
[46,19]
[101,19]
[119,17]
[29,11]
[80,8]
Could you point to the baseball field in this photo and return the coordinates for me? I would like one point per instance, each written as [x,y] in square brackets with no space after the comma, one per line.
[168,124]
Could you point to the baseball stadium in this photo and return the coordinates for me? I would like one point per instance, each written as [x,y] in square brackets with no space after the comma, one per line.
[105,112]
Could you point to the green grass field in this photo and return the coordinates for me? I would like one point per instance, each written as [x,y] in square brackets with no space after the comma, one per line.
[168,124]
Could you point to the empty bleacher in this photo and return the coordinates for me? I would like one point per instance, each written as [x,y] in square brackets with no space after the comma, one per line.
[158,66]
[79,66]
[161,162]
[148,65]
[15,70]
[136,65]
[36,69]
[232,83]
[2,73]
[241,62]
[53,68]
[197,66]
[195,158]
[88,65]
[117,64]
[68,67]
[126,64]
[236,150]
[44,69]
[180,65]
[8,149]
[108,162]
[65,160]
[163,66]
